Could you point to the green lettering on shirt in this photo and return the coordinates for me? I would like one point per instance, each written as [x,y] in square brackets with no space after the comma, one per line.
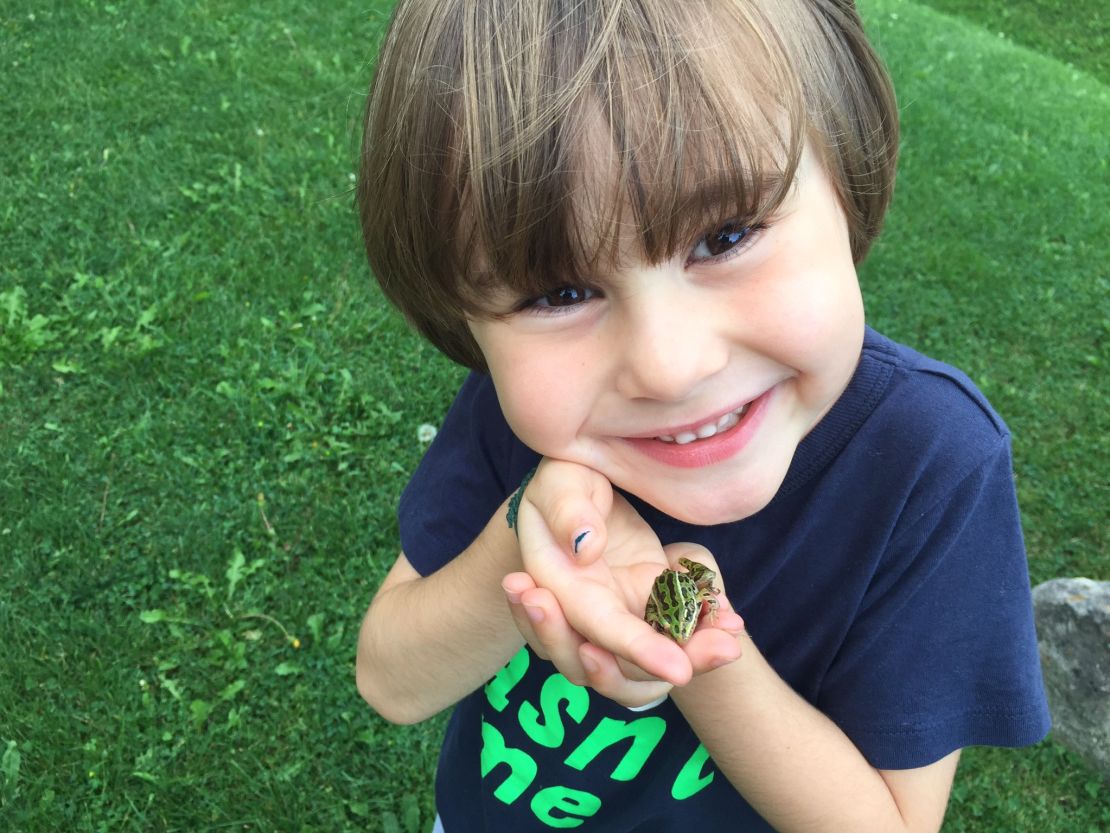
[522,768]
[645,733]
[544,724]
[690,780]
[497,689]
[576,805]
[550,731]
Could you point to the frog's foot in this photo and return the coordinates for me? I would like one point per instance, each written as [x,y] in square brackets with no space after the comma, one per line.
[714,607]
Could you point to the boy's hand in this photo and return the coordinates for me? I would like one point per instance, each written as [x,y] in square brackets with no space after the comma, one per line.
[584,610]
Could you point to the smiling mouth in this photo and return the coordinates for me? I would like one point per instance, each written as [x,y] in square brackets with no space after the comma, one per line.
[709,429]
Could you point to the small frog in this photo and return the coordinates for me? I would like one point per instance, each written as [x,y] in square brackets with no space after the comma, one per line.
[674,606]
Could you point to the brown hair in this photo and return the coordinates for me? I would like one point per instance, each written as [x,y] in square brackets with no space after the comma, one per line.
[487,119]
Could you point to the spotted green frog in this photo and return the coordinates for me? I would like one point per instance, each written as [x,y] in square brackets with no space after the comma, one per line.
[675,604]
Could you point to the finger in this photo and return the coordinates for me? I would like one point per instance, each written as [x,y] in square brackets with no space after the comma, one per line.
[634,672]
[631,638]
[599,616]
[649,655]
[515,585]
[711,648]
[605,676]
[706,650]
[574,502]
[695,552]
[559,640]
[726,620]
[721,615]
[552,637]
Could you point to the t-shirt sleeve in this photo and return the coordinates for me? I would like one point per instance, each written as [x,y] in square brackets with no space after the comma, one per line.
[474,462]
[943,651]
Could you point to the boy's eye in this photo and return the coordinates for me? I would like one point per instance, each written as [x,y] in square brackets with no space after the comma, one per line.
[721,241]
[564,296]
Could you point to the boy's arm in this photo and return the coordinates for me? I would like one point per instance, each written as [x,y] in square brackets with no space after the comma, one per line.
[791,762]
[795,766]
[428,641]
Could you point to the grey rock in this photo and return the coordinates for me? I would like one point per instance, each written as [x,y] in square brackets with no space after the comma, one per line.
[1073,632]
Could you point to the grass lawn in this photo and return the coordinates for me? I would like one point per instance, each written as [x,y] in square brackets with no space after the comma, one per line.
[1076,32]
[207,413]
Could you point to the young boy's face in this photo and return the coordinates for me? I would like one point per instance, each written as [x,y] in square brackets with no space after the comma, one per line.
[690,383]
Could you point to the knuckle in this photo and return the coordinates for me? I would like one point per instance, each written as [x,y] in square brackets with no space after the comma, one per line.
[578,677]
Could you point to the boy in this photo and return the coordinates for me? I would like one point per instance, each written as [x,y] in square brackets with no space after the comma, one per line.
[638,222]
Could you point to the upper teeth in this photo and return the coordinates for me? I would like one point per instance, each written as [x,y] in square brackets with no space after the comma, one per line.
[707,430]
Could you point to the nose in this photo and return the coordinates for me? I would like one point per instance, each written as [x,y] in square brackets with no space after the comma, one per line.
[669,341]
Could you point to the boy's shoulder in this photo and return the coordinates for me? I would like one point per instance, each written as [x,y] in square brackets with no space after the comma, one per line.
[903,415]
[928,429]
[931,397]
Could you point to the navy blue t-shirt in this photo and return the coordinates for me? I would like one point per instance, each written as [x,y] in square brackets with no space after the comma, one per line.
[886,582]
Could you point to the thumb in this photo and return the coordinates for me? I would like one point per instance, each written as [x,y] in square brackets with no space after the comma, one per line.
[565,506]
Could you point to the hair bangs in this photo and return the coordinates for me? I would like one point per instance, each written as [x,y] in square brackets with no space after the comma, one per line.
[630,126]
[518,147]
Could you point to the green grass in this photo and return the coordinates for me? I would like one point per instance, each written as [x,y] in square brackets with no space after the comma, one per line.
[1075,32]
[207,413]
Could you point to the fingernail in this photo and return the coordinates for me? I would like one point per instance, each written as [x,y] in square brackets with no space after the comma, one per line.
[589,664]
[514,598]
[579,538]
[535,614]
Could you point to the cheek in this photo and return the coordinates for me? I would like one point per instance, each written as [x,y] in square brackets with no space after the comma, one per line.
[833,309]
[539,397]
[806,310]
[815,296]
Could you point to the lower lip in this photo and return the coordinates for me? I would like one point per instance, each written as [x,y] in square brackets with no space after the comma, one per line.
[711,450]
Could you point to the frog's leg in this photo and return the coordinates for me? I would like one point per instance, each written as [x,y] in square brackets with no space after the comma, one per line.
[710,598]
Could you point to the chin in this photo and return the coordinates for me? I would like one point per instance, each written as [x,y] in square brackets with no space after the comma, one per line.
[712,512]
